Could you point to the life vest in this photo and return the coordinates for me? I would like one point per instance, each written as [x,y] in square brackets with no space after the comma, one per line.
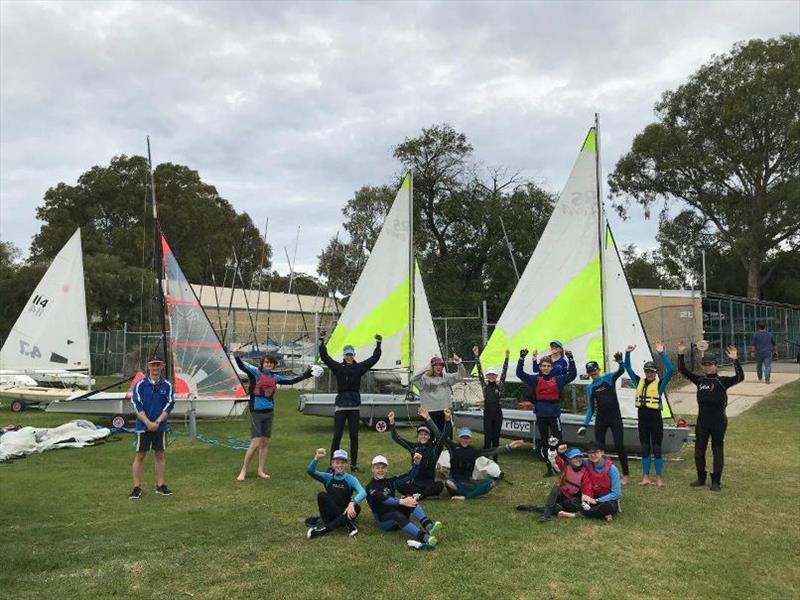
[570,484]
[650,397]
[547,389]
[263,391]
[601,482]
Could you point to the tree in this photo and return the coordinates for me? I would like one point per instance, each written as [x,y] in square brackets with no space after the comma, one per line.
[645,269]
[727,146]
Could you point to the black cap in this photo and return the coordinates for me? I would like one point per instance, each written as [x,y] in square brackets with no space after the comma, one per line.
[650,366]
[709,359]
[155,359]
[594,447]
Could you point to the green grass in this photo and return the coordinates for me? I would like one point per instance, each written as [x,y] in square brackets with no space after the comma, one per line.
[68,528]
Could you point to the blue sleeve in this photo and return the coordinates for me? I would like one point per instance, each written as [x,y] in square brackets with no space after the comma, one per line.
[170,400]
[400,480]
[629,369]
[323,477]
[523,376]
[136,399]
[570,375]
[251,371]
[356,486]
[616,489]
[617,374]
[589,408]
[668,372]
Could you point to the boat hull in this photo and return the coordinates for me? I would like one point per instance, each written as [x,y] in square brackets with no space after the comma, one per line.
[520,424]
[374,407]
[118,404]
[35,394]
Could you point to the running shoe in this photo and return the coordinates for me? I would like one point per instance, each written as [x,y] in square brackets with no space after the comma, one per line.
[351,527]
[135,494]
[163,490]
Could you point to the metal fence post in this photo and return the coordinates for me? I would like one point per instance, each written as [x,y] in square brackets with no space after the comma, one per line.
[124,346]
[485,324]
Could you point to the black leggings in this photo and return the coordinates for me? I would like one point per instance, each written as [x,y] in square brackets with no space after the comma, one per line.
[547,426]
[651,431]
[557,501]
[339,419]
[332,512]
[437,416]
[614,423]
[492,423]
[601,509]
[425,489]
[714,428]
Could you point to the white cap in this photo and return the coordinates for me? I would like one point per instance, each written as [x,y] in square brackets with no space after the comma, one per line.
[380,460]
[340,454]
[492,371]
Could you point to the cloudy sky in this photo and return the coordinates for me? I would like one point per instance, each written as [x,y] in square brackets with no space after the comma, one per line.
[289,108]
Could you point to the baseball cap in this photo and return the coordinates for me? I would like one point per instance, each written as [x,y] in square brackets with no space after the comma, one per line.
[464,432]
[557,343]
[340,454]
[348,350]
[594,447]
[423,428]
[492,371]
[436,360]
[573,453]
[380,460]
[155,360]
[709,359]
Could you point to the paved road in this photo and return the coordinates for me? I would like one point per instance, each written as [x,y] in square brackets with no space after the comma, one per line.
[742,396]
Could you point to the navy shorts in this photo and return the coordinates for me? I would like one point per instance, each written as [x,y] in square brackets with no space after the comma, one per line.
[157,440]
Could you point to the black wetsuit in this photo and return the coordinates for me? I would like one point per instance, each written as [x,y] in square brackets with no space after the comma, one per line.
[712,399]
[424,482]
[492,410]
[605,406]
[348,396]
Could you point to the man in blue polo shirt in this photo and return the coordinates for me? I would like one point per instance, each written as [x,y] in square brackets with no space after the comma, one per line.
[152,400]
[762,347]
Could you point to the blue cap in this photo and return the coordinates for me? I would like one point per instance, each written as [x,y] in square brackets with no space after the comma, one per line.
[557,343]
[464,432]
[348,350]
[342,454]
[573,453]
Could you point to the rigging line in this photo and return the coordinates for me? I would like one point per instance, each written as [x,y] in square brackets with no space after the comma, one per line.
[233,288]
[291,280]
[297,295]
[216,294]
[247,303]
[261,276]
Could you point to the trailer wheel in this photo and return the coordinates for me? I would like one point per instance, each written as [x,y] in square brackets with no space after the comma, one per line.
[381,426]
[118,421]
[18,406]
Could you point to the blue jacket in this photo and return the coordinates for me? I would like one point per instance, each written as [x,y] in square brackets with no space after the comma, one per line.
[662,383]
[152,398]
[547,409]
[262,403]
[560,366]
[325,477]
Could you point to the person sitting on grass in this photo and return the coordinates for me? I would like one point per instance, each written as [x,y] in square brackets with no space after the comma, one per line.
[602,488]
[391,513]
[337,506]
[565,496]
[428,444]
[463,455]
[263,385]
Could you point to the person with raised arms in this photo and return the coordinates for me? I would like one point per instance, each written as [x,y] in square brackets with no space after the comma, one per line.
[463,455]
[392,513]
[649,394]
[565,496]
[338,508]
[712,400]
[559,364]
[263,386]
[428,445]
[435,387]
[492,387]
[602,402]
[547,392]
[348,375]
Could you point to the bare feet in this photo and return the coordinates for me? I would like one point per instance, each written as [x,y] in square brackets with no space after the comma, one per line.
[263,475]
[625,480]
[241,476]
[645,480]
[609,518]
[659,482]
[567,515]
[457,498]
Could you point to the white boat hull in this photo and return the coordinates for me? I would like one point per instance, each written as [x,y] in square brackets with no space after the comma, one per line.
[374,407]
[104,403]
[35,394]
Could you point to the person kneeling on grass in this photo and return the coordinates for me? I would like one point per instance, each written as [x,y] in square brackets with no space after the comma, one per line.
[428,445]
[460,484]
[565,496]
[602,488]
[337,506]
[391,513]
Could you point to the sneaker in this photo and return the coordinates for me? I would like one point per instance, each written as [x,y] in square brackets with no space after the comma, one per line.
[715,486]
[419,545]
[435,529]
[135,494]
[351,527]
[163,490]
[544,517]
[698,483]
[313,521]
[316,532]
[432,541]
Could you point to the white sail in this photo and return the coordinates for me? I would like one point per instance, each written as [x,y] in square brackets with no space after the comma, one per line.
[379,302]
[51,334]
[558,295]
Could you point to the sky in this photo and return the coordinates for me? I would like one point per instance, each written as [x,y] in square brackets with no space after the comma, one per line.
[288,108]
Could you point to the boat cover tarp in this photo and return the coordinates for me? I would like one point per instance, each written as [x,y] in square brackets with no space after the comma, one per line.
[32,440]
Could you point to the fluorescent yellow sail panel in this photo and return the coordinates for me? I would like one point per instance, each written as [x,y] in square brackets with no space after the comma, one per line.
[573,314]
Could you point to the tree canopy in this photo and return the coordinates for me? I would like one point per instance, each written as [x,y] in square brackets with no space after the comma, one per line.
[726,149]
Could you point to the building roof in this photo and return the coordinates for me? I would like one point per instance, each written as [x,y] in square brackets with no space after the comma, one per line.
[666,293]
[211,297]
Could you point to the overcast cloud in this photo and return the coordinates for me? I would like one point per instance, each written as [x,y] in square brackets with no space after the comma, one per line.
[289,108]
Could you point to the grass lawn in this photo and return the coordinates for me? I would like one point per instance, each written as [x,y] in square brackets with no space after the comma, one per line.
[68,529]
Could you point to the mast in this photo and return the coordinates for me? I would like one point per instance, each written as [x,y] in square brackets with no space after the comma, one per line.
[601,231]
[411,278]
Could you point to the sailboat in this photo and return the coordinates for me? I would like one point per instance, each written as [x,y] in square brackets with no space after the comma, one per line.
[574,290]
[49,342]
[389,298]
[204,380]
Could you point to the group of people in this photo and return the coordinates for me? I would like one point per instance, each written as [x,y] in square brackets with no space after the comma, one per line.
[590,487]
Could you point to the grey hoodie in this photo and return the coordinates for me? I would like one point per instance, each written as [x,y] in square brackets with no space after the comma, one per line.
[435,392]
